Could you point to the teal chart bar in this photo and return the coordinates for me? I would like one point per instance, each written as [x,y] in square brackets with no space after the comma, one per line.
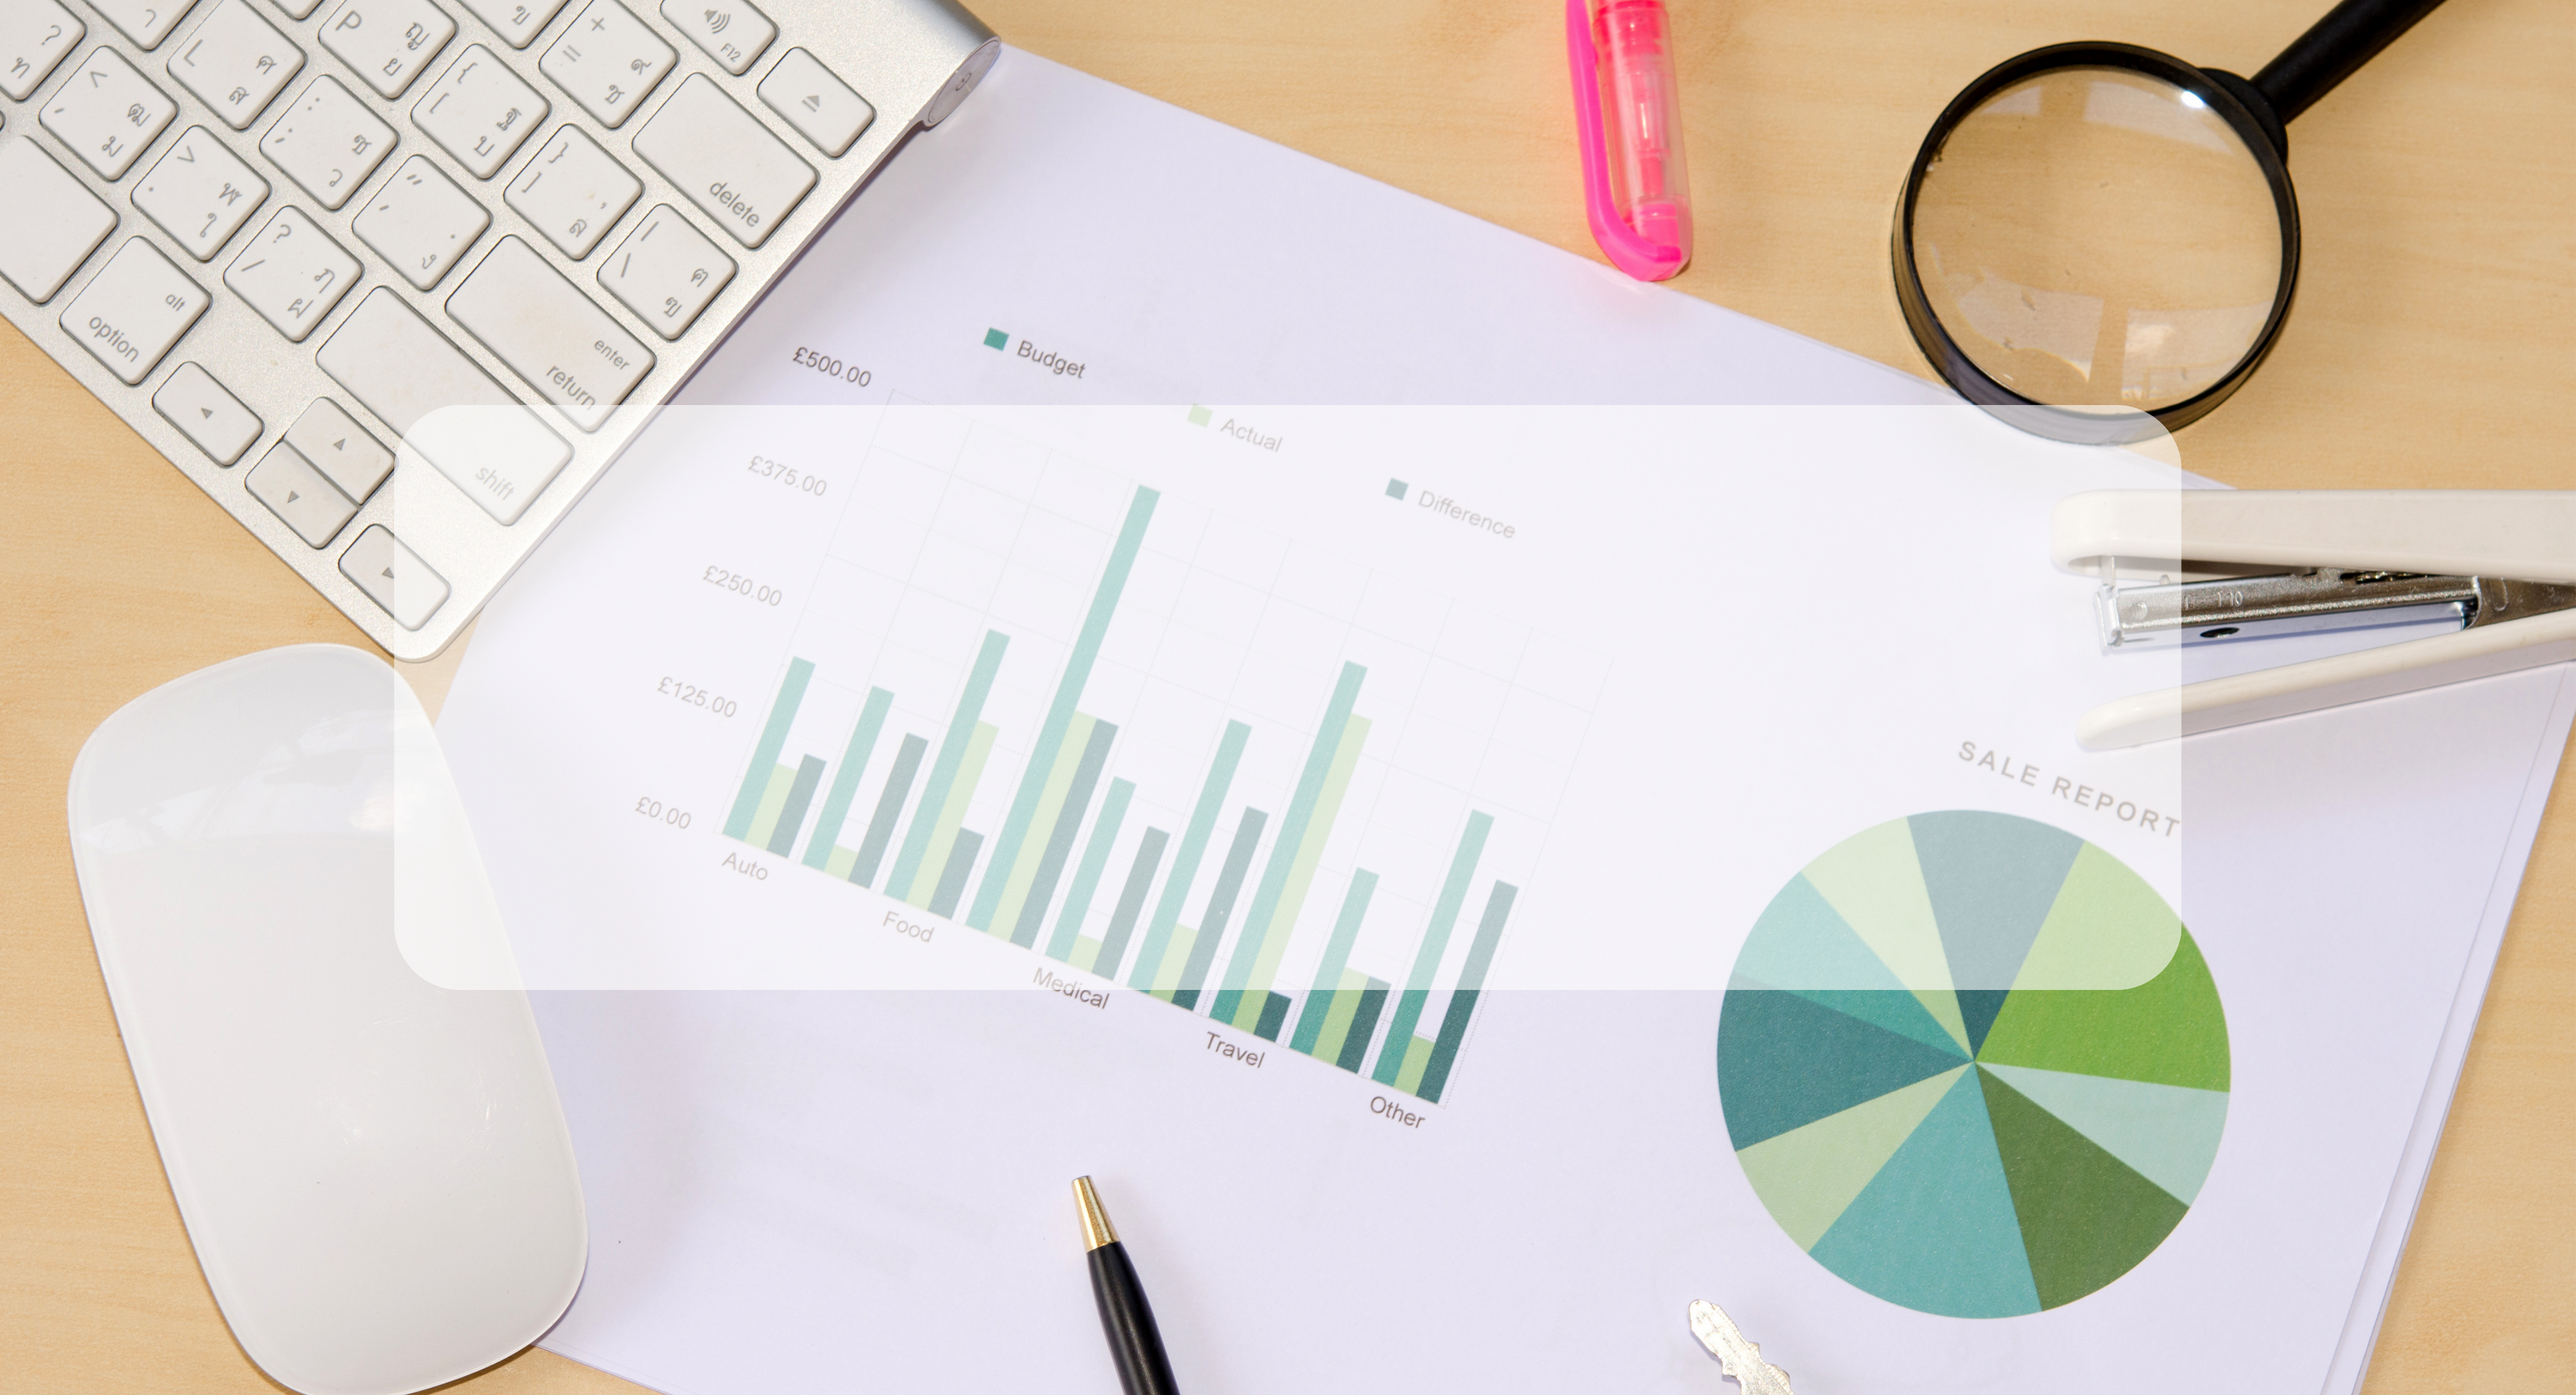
[943,772]
[1185,862]
[1337,958]
[1291,843]
[764,757]
[1435,942]
[1068,692]
[845,783]
[1471,982]
[1086,878]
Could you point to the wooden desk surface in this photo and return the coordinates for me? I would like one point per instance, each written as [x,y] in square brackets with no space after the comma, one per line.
[2434,345]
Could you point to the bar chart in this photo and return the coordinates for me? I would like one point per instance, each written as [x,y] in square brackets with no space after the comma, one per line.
[1258,844]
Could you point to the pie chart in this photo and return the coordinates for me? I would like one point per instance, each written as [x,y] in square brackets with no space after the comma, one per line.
[1973,1064]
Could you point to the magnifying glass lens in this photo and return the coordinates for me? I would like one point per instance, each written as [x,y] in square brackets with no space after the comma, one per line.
[2097,236]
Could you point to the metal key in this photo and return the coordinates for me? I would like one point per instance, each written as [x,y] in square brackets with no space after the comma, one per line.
[1736,1355]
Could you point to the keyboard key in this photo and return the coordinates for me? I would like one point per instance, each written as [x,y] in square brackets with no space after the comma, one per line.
[393,576]
[608,60]
[236,63]
[388,42]
[146,22]
[420,222]
[734,34]
[666,271]
[819,105]
[134,310]
[297,9]
[402,370]
[205,413]
[296,492]
[573,192]
[331,441]
[201,193]
[328,142]
[292,273]
[728,164]
[34,36]
[59,221]
[567,348]
[480,111]
[517,21]
[107,113]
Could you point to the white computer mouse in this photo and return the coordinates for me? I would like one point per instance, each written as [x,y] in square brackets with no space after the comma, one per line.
[374,1170]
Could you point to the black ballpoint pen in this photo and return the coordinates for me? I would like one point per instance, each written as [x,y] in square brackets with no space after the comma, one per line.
[1134,1342]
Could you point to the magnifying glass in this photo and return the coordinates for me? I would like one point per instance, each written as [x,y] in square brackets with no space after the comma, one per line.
[2099,242]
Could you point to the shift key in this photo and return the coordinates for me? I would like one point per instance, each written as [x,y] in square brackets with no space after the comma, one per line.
[567,348]
[390,359]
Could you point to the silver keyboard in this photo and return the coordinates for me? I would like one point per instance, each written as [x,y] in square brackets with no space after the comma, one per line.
[277,236]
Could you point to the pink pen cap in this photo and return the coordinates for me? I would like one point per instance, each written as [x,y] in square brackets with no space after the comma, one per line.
[1627,113]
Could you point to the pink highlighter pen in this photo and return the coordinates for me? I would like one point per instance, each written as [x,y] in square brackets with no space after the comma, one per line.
[1627,116]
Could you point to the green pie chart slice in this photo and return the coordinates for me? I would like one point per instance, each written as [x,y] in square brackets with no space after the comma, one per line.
[1936,1230]
[2086,1217]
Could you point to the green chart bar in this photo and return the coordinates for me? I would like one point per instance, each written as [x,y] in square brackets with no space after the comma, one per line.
[773,802]
[1059,786]
[845,783]
[1167,980]
[1417,1057]
[1301,873]
[907,764]
[1435,942]
[1372,1001]
[1220,907]
[1232,1003]
[1185,863]
[945,834]
[1130,901]
[1471,981]
[1095,860]
[1325,1000]
[1066,817]
[943,771]
[800,796]
[1331,1011]
[1009,849]
[952,881]
[773,739]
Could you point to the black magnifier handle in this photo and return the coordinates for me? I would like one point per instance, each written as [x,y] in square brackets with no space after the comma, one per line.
[2335,47]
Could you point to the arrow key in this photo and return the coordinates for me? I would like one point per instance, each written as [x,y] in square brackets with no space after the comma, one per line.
[332,442]
[299,495]
[215,419]
[393,576]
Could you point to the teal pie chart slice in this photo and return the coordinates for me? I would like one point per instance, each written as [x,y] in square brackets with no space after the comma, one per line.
[1973,1064]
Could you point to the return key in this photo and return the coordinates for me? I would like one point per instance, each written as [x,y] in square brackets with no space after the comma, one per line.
[549,333]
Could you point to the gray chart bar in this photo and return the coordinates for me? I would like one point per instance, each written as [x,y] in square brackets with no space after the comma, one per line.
[1131,903]
[952,879]
[1068,821]
[800,796]
[872,849]
[1229,884]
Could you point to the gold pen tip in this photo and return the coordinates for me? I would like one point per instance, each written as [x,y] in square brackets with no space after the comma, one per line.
[1096,1230]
